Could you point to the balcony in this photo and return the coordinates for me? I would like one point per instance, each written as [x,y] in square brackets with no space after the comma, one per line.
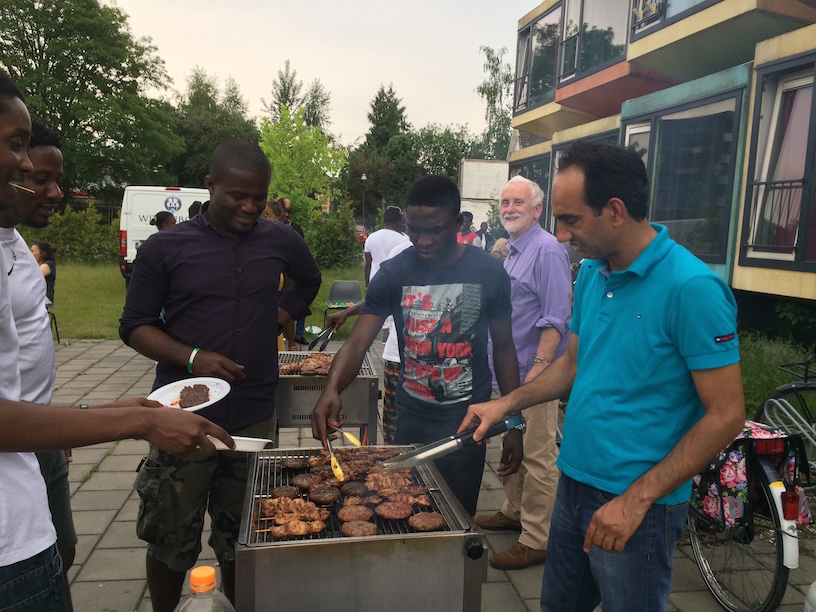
[709,37]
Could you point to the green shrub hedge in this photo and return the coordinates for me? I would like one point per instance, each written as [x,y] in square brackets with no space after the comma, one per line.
[79,236]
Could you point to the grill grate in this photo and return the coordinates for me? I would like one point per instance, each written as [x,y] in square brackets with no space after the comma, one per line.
[269,474]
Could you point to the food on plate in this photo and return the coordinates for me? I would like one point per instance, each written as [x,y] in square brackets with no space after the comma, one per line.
[194,395]
[426,521]
[324,495]
[354,488]
[393,511]
[316,364]
[295,463]
[285,491]
[306,481]
[355,513]
[358,529]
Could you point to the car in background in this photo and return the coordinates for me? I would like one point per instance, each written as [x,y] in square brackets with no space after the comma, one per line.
[362,233]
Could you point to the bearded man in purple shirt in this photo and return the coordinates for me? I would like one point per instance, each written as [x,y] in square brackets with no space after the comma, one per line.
[541,296]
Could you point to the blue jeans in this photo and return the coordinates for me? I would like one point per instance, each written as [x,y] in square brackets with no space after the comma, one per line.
[637,579]
[462,470]
[34,585]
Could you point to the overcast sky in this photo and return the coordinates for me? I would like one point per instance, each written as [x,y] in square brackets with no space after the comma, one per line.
[428,49]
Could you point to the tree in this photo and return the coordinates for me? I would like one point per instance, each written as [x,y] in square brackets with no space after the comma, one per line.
[207,116]
[286,92]
[86,76]
[441,148]
[387,118]
[304,162]
[497,91]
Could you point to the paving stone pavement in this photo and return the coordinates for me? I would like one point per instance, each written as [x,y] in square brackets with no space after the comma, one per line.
[109,571]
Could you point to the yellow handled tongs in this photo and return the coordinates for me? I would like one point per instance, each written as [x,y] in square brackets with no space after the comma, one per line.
[350,437]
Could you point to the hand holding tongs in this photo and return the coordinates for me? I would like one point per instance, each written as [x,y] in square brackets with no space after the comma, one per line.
[329,331]
[452,443]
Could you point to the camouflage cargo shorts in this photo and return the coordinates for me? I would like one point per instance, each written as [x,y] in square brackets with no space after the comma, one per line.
[175,492]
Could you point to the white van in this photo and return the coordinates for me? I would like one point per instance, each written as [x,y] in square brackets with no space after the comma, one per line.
[139,206]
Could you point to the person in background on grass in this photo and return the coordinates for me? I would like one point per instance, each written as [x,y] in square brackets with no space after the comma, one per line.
[274,212]
[377,247]
[444,297]
[541,290]
[467,235]
[286,217]
[217,277]
[193,209]
[46,256]
[652,371]
[28,298]
[163,220]
[485,237]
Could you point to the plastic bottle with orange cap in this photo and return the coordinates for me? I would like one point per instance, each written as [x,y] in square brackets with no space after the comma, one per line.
[204,597]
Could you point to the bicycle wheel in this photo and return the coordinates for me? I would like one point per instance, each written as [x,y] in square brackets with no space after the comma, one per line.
[742,566]
[795,413]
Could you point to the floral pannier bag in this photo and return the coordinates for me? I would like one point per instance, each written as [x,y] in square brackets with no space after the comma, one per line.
[721,492]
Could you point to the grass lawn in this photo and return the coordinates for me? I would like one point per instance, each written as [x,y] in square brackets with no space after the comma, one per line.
[89,300]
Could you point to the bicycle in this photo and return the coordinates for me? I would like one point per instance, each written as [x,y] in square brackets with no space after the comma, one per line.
[742,520]
[797,413]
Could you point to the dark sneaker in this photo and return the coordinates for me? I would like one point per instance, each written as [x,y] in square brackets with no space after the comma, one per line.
[498,521]
[518,556]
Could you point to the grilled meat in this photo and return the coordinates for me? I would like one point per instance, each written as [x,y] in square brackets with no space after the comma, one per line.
[324,495]
[193,396]
[393,511]
[357,529]
[355,513]
[426,521]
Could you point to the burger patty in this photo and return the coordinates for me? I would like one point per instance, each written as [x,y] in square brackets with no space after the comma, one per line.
[355,513]
[284,491]
[306,481]
[324,495]
[426,521]
[393,511]
[193,396]
[357,489]
[356,529]
[295,463]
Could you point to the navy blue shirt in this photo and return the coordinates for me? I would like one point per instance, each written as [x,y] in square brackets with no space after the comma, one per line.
[222,295]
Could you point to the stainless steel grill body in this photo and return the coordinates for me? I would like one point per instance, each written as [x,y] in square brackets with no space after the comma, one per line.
[398,569]
[296,395]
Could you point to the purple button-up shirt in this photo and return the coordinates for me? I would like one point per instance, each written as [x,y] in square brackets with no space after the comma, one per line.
[541,294]
[222,295]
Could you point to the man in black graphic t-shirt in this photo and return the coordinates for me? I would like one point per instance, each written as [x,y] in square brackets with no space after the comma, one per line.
[444,298]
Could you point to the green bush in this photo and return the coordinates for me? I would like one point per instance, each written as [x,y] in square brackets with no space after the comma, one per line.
[332,238]
[80,236]
[760,357]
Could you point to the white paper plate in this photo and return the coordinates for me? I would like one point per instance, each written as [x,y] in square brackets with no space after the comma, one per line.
[169,394]
[242,444]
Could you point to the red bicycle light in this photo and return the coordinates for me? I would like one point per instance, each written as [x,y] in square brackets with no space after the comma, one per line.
[790,505]
[772,446]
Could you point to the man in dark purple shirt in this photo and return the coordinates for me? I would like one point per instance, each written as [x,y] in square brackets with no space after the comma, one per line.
[217,278]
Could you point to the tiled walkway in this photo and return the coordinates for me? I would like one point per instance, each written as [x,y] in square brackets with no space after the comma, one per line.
[109,572]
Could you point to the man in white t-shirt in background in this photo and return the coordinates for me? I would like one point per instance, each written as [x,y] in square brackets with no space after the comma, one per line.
[379,244]
[377,247]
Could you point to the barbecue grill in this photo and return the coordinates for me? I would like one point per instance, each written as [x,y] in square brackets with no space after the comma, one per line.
[296,395]
[397,569]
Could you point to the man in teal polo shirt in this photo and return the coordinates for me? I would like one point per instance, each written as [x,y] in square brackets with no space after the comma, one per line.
[652,370]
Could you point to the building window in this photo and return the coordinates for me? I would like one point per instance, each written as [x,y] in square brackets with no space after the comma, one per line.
[781,200]
[537,169]
[690,157]
[537,61]
[594,35]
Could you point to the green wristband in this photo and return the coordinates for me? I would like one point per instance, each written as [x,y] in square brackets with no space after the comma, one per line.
[190,360]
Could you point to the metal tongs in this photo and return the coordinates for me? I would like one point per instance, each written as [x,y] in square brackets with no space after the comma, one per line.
[329,331]
[442,447]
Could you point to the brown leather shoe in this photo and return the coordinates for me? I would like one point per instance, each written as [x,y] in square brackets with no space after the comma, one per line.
[518,556]
[498,521]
